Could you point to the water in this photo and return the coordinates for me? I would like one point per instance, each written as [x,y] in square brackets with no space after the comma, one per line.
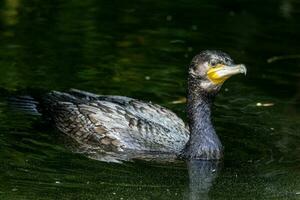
[141,49]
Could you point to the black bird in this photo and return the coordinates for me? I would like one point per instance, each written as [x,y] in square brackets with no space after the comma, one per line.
[117,124]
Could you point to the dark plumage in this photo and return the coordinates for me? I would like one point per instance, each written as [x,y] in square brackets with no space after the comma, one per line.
[115,124]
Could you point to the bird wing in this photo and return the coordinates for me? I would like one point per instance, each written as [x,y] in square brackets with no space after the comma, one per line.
[116,122]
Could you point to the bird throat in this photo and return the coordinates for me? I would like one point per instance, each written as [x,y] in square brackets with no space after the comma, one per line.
[203,143]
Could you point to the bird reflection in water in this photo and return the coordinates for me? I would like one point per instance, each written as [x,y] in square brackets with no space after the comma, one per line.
[202,175]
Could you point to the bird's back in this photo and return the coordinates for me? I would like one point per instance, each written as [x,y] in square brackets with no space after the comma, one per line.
[116,123]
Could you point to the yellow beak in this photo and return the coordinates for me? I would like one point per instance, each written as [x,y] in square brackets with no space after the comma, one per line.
[221,72]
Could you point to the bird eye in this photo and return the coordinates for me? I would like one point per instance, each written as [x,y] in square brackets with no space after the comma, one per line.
[213,63]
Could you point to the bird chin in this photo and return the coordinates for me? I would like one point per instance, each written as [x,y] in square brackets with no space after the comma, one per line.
[210,87]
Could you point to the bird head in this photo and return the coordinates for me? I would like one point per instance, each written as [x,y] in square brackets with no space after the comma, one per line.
[210,69]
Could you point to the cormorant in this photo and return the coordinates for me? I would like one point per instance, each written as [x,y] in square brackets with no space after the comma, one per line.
[121,124]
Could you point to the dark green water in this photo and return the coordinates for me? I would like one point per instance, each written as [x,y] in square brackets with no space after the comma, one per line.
[141,49]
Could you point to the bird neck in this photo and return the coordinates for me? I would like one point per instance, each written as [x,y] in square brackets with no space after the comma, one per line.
[203,142]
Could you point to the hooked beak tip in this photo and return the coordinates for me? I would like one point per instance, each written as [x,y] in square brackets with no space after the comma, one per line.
[243,69]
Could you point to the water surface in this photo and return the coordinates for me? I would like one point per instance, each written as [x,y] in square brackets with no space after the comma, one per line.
[141,49]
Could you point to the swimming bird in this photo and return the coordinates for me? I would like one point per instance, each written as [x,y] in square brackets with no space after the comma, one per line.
[122,124]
